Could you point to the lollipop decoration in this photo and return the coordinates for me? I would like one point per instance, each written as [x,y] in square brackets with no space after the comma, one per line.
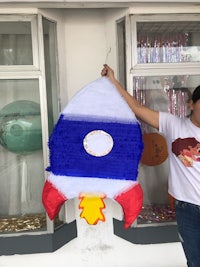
[20,127]
[21,134]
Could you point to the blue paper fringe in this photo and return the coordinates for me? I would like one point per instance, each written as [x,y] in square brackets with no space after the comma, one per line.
[69,158]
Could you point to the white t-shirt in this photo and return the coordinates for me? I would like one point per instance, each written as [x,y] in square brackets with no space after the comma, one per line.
[183,139]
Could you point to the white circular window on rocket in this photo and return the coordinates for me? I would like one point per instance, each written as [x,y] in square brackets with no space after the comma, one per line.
[98,143]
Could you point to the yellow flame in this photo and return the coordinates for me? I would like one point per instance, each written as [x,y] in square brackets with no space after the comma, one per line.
[92,206]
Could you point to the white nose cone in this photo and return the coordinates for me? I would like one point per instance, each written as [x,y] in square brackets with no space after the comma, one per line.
[99,99]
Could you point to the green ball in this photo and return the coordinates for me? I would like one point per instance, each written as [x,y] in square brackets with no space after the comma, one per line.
[20,127]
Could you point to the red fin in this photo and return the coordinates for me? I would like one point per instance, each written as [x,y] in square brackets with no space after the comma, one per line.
[52,200]
[131,202]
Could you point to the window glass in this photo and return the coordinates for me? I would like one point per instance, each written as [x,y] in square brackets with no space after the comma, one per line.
[15,43]
[21,165]
[168,42]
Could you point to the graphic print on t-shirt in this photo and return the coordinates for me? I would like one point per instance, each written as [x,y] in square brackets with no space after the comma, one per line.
[187,150]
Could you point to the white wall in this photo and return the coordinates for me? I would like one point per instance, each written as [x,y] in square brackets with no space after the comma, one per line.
[85,47]
[84,38]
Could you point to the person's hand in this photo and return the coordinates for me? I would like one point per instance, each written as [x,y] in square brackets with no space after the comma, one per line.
[108,72]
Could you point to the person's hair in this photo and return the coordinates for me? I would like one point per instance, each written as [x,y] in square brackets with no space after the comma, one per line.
[196,94]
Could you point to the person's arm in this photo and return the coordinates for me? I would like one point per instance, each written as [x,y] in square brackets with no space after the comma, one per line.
[147,115]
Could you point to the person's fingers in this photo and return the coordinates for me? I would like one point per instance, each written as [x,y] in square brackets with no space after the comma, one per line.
[107,71]
[106,67]
[104,70]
